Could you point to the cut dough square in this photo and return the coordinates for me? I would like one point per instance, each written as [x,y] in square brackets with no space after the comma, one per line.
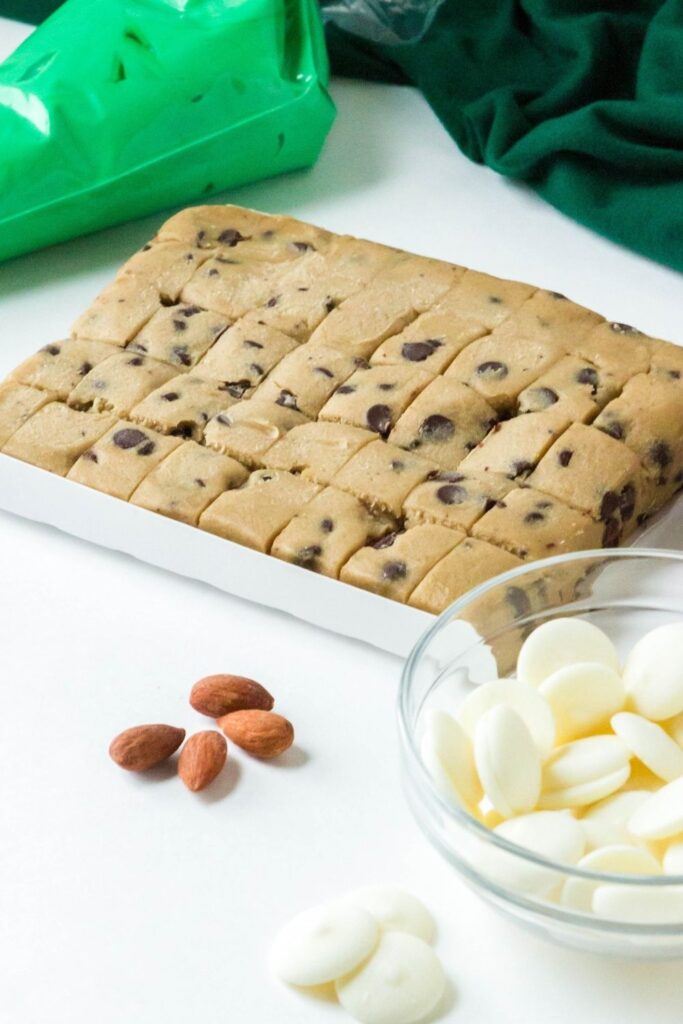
[119,460]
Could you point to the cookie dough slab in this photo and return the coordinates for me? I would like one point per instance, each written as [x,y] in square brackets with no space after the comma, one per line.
[455,499]
[575,385]
[445,422]
[382,476]
[328,530]
[119,460]
[648,418]
[119,312]
[186,482]
[592,472]
[515,446]
[254,514]
[60,366]
[374,397]
[471,562]
[249,428]
[305,379]
[183,406]
[179,335]
[532,525]
[119,382]
[257,235]
[317,450]
[55,436]
[166,265]
[245,354]
[17,404]
[395,564]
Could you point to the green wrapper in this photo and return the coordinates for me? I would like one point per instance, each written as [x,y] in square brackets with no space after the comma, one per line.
[117,108]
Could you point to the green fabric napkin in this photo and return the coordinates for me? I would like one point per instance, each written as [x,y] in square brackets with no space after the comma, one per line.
[581,100]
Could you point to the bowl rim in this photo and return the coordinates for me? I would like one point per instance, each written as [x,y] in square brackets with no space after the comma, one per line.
[458,813]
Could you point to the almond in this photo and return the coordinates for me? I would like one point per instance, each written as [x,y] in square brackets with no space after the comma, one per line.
[202,759]
[145,746]
[261,733]
[222,694]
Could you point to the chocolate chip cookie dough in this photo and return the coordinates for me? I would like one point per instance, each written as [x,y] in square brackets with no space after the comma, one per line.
[394,421]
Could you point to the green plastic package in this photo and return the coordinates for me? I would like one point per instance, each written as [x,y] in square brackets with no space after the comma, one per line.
[113,109]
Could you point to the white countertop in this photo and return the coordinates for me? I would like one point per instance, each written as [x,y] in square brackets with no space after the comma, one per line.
[127,899]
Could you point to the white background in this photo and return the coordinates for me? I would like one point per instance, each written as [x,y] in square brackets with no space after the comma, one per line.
[127,900]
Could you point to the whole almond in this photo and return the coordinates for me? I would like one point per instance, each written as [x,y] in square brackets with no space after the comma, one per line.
[261,733]
[222,694]
[201,759]
[145,746]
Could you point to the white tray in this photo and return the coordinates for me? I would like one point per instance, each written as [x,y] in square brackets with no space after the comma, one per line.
[45,498]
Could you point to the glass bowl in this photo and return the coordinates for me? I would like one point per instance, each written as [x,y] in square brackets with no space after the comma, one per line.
[626,593]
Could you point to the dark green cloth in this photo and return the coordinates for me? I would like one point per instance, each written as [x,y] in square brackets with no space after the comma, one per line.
[582,101]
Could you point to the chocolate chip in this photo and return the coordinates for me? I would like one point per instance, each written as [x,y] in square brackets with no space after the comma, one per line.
[534,517]
[546,396]
[544,504]
[378,418]
[588,375]
[624,329]
[91,456]
[170,396]
[223,420]
[386,541]
[52,350]
[182,355]
[558,295]
[306,557]
[627,502]
[345,389]
[303,246]
[495,300]
[146,247]
[519,600]
[609,504]
[386,387]
[397,465]
[437,428]
[452,494]
[449,475]
[660,453]
[490,503]
[179,325]
[225,259]
[199,482]
[273,301]
[493,368]
[212,272]
[257,368]
[236,389]
[188,311]
[565,456]
[129,438]
[614,429]
[674,374]
[394,571]
[611,533]
[327,525]
[183,430]
[84,369]
[248,343]
[520,468]
[418,351]
[201,235]
[330,304]
[138,346]
[136,361]
[286,399]
[230,237]
[147,449]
